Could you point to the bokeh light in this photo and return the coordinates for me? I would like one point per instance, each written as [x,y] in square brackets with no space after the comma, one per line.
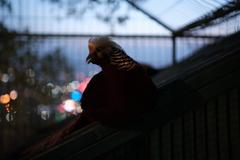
[60,116]
[73,85]
[79,109]
[5,78]
[56,90]
[50,85]
[82,86]
[60,108]
[44,111]
[9,117]
[76,95]
[13,94]
[4,99]
[69,105]
[7,108]
[45,114]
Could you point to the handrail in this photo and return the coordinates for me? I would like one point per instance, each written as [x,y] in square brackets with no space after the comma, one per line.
[195,63]
[100,139]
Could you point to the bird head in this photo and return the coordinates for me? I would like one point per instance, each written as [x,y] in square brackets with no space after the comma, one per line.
[104,52]
[99,51]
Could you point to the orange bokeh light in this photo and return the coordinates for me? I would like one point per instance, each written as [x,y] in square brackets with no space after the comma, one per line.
[4,99]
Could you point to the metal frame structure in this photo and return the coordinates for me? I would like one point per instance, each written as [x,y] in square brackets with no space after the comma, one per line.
[183,33]
[222,12]
[219,13]
[207,19]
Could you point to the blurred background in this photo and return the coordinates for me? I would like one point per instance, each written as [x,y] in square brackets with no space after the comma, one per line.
[43,46]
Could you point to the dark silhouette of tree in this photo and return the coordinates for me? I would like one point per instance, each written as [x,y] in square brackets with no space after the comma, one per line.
[110,7]
[6,4]
[23,69]
[78,8]
[27,72]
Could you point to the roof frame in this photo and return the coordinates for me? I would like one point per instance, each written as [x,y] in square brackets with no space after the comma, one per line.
[134,5]
[202,21]
[208,18]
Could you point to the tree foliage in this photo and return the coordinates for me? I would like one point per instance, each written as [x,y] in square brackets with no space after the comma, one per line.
[28,73]
[104,10]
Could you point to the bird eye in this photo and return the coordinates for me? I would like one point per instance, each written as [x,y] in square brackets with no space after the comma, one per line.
[97,50]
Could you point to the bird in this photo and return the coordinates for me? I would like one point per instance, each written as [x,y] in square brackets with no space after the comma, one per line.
[120,94]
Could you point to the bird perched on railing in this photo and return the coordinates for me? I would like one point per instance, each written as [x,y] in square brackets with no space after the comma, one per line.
[121,93]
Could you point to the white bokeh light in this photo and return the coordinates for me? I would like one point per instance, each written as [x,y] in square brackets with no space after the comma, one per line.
[69,105]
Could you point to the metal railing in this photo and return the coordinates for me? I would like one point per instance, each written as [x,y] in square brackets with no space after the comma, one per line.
[185,129]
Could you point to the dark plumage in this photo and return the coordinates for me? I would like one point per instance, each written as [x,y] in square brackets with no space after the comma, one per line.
[122,91]
[115,96]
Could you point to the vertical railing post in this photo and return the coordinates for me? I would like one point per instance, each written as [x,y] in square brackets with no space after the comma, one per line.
[173,50]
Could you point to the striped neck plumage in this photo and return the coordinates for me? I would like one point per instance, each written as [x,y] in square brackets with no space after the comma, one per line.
[121,60]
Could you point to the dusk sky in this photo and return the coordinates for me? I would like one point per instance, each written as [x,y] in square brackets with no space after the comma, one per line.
[40,16]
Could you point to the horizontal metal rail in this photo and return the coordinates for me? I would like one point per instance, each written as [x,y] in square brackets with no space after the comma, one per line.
[97,35]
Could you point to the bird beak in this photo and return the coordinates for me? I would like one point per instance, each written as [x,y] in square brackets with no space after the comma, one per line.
[89,59]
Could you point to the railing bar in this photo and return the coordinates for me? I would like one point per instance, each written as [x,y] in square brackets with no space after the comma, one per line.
[171,141]
[183,138]
[160,143]
[110,35]
[194,135]
[228,125]
[194,68]
[206,130]
[217,129]
[238,111]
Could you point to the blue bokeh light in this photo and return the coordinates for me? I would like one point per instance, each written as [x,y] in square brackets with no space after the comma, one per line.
[76,95]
